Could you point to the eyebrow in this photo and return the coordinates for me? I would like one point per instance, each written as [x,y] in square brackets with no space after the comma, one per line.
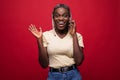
[66,13]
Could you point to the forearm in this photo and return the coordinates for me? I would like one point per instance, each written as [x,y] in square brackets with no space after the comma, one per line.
[42,54]
[77,51]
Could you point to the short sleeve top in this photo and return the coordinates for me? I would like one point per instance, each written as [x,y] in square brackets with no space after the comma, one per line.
[60,50]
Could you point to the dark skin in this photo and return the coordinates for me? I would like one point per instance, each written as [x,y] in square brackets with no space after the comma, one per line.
[42,51]
[62,27]
[61,14]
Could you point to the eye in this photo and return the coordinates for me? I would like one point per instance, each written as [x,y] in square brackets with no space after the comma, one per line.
[65,15]
[56,15]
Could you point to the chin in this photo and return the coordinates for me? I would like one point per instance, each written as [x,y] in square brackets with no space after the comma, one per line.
[61,27]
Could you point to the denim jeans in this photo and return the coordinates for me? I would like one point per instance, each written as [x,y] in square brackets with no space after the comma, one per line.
[69,75]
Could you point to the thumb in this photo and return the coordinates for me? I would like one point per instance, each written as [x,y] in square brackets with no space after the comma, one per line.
[40,29]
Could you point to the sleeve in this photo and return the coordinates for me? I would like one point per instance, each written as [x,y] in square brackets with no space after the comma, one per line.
[45,43]
[45,38]
[80,40]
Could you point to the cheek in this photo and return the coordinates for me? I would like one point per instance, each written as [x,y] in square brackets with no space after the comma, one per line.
[55,20]
[66,19]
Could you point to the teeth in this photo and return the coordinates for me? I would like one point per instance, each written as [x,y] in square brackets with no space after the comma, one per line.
[61,22]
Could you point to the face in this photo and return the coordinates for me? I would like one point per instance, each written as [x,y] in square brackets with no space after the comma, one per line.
[61,18]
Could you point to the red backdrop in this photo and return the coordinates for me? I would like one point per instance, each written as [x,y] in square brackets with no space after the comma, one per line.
[97,21]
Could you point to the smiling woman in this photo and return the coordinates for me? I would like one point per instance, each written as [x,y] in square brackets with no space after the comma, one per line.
[60,48]
[61,18]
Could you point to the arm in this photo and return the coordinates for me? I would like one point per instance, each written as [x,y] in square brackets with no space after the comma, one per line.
[42,54]
[42,51]
[77,50]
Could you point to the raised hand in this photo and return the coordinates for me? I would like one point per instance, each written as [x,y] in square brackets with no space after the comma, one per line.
[72,29]
[35,32]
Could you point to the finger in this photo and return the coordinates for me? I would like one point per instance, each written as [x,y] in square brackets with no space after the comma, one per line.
[73,23]
[34,27]
[30,28]
[71,26]
[31,25]
[40,29]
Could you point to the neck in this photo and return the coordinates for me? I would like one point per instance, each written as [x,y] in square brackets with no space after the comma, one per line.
[62,32]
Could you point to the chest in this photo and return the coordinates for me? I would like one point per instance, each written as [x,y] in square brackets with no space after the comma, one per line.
[57,46]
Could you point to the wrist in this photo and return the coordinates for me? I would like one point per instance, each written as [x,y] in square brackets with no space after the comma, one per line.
[39,38]
[74,35]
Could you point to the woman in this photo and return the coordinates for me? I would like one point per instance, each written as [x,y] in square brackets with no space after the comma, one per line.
[60,48]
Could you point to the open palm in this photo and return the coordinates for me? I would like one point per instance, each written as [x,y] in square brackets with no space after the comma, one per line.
[35,32]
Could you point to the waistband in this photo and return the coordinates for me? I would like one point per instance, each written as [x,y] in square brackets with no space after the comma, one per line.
[63,69]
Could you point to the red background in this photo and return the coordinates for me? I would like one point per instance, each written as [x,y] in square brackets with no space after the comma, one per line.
[97,21]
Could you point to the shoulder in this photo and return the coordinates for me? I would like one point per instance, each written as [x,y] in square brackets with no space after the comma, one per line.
[80,40]
[47,32]
[79,34]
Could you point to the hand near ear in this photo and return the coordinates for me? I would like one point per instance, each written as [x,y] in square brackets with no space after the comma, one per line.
[35,32]
[72,28]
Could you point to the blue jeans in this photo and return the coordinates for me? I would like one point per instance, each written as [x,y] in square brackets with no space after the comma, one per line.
[69,75]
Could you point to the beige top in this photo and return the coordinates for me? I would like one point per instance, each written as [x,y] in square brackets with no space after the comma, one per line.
[60,50]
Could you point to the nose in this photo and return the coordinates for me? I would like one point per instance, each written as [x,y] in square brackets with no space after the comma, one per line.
[61,18]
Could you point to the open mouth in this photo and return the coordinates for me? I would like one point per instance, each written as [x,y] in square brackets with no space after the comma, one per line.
[61,23]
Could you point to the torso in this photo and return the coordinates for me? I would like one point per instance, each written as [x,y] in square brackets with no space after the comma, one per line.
[60,49]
